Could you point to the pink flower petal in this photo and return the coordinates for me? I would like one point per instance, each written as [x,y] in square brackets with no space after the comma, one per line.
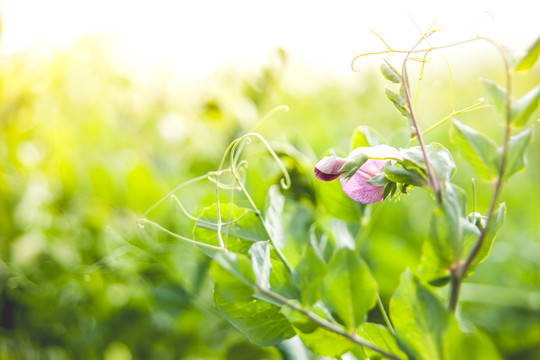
[372,168]
[358,188]
[324,176]
[328,168]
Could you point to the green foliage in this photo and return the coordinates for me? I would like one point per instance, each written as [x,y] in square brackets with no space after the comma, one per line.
[348,288]
[399,174]
[234,274]
[236,281]
[492,232]
[364,136]
[81,280]
[319,340]
[260,321]
[530,57]
[398,100]
[390,73]
[497,96]
[426,330]
[523,108]
[478,149]
[308,277]
[351,167]
[448,234]
[516,152]
[381,336]
[262,265]
[273,219]
[336,203]
[242,228]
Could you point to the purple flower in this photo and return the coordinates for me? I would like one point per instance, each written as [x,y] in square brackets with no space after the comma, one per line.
[357,186]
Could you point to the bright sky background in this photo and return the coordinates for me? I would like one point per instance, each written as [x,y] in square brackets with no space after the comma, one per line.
[194,38]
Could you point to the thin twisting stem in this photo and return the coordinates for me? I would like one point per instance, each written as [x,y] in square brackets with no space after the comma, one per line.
[285,183]
[141,221]
[201,221]
[413,51]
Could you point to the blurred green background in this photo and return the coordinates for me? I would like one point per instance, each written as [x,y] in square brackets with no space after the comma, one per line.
[85,149]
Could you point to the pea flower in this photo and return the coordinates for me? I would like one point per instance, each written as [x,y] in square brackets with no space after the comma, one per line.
[357,186]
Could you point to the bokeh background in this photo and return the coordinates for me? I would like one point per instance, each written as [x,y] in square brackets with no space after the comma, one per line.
[97,123]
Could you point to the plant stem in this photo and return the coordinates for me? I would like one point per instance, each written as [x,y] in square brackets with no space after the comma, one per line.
[405,83]
[455,286]
[385,316]
[327,324]
[461,271]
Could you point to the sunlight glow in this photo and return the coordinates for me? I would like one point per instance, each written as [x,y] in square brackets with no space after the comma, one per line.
[197,38]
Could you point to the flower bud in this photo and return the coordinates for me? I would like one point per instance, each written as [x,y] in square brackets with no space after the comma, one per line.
[328,168]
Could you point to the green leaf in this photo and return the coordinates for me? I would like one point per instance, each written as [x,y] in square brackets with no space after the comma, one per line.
[351,167]
[366,136]
[341,233]
[516,152]
[439,157]
[390,73]
[239,235]
[427,331]
[281,281]
[389,189]
[449,230]
[308,276]
[414,156]
[379,180]
[319,340]
[419,318]
[441,161]
[438,254]
[322,243]
[398,100]
[236,264]
[470,344]
[349,290]
[523,108]
[329,234]
[414,162]
[336,202]
[497,96]
[398,174]
[261,322]
[260,261]
[494,227]
[478,150]
[235,275]
[530,57]
[292,349]
[412,169]
[274,216]
[383,338]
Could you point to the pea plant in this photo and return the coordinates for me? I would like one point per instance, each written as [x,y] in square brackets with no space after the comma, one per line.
[318,287]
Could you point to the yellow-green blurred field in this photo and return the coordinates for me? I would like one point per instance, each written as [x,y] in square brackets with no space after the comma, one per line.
[85,150]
